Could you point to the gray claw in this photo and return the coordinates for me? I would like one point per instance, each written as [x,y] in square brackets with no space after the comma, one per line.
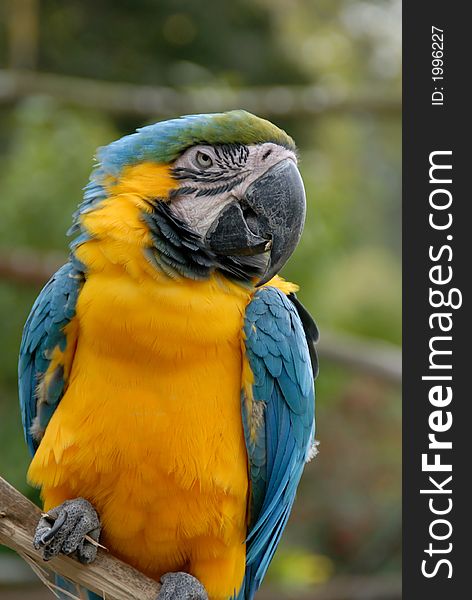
[58,523]
[64,528]
[181,586]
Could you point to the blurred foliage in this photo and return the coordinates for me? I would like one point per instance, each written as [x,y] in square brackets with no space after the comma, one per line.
[295,567]
[49,154]
[347,516]
[174,42]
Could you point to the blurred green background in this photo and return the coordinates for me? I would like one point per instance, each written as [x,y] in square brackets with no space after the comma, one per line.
[75,75]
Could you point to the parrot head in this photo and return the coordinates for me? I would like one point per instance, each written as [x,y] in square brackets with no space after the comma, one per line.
[234,200]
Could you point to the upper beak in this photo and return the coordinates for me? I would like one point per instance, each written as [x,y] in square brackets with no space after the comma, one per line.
[270,217]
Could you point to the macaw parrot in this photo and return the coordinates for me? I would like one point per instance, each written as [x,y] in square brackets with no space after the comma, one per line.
[166,372]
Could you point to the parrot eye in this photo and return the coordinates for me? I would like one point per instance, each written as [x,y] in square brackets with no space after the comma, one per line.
[203,160]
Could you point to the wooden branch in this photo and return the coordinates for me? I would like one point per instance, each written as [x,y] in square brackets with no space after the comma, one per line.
[374,357]
[107,575]
[29,268]
[145,101]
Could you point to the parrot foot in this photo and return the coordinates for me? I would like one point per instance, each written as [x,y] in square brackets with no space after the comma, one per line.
[64,529]
[181,586]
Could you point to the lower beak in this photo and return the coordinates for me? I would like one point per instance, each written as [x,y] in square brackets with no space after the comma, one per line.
[270,217]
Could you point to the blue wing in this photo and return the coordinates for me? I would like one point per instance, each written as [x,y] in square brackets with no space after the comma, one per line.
[47,348]
[278,422]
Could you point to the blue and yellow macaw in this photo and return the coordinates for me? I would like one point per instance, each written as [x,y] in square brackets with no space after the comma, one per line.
[166,371]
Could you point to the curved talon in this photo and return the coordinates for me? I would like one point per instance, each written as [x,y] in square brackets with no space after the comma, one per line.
[58,523]
[72,527]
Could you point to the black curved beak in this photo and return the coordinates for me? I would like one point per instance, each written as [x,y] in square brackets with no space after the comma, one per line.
[269,218]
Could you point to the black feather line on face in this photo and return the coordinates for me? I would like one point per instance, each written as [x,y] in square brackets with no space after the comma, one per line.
[221,189]
[230,159]
[232,155]
[205,176]
[178,251]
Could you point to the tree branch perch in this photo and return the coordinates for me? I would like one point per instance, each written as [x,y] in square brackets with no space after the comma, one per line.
[107,576]
[144,101]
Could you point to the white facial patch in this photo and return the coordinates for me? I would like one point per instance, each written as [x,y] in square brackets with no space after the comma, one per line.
[205,190]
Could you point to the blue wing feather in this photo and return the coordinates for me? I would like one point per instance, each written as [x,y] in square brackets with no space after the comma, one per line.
[44,330]
[278,444]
